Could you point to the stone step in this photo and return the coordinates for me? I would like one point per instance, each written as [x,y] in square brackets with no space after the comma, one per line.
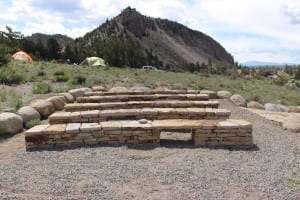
[236,133]
[150,92]
[155,97]
[140,104]
[136,114]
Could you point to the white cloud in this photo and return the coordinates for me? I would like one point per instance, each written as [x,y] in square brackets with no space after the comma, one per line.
[53,28]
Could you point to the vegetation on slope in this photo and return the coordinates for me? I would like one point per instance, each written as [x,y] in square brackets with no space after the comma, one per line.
[256,88]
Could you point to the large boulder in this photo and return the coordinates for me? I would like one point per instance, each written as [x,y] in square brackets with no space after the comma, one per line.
[276,107]
[68,97]
[140,89]
[58,102]
[292,122]
[211,94]
[10,123]
[44,107]
[238,100]
[256,105]
[79,92]
[99,88]
[118,89]
[295,109]
[224,94]
[28,113]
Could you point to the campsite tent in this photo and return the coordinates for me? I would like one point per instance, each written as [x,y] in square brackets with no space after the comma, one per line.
[93,61]
[23,56]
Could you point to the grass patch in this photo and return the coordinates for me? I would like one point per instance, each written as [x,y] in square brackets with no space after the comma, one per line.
[32,123]
[294,179]
[41,88]
[15,100]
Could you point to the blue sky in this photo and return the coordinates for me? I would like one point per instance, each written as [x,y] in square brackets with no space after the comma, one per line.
[263,30]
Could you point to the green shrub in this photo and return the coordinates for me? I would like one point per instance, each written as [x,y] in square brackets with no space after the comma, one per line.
[41,88]
[10,76]
[78,80]
[41,72]
[32,123]
[61,78]
[59,73]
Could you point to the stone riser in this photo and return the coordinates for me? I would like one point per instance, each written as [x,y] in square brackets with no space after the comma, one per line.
[126,98]
[152,92]
[136,114]
[204,133]
[140,104]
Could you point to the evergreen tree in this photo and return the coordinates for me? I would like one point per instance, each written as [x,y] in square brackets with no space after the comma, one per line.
[53,48]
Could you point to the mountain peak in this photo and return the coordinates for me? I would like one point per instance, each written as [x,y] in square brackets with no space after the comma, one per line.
[159,42]
[129,11]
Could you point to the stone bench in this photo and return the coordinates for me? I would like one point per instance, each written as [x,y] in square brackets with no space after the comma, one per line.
[155,97]
[204,133]
[140,104]
[150,92]
[136,114]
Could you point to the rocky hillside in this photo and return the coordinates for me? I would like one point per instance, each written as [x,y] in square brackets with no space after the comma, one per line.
[160,42]
[63,40]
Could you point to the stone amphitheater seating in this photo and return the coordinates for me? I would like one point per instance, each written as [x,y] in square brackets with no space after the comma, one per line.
[204,133]
[144,97]
[150,92]
[139,118]
[136,114]
[141,104]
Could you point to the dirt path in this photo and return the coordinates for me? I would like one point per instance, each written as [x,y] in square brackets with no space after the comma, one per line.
[11,146]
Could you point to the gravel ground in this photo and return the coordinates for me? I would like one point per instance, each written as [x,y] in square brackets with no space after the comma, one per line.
[269,171]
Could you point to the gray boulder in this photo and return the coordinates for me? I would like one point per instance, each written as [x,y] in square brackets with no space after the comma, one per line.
[292,122]
[238,100]
[68,97]
[44,107]
[224,94]
[10,123]
[79,92]
[58,102]
[276,107]
[211,94]
[28,113]
[256,105]
[118,89]
[140,89]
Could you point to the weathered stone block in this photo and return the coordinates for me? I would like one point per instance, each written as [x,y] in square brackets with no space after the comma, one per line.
[73,128]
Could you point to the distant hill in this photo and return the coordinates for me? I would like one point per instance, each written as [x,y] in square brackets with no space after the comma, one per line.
[133,39]
[264,64]
[63,40]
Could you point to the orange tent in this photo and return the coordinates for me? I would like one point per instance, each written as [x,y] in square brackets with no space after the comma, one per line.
[23,56]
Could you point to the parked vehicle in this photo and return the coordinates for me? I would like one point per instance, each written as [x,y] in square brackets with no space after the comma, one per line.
[149,68]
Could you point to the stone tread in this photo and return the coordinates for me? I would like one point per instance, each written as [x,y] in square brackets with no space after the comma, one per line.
[155,124]
[140,104]
[145,97]
[67,116]
[99,93]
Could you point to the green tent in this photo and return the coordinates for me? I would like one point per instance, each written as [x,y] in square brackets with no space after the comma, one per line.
[93,61]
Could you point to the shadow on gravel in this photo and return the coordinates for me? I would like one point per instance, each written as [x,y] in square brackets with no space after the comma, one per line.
[171,144]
